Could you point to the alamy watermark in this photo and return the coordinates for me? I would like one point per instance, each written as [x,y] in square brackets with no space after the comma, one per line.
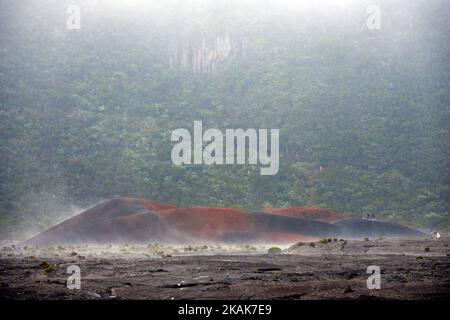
[241,147]
[374,280]
[374,20]
[74,280]
[74,20]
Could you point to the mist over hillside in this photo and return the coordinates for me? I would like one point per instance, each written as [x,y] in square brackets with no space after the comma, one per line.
[87,114]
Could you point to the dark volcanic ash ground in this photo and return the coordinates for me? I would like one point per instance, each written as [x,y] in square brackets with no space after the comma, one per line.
[336,269]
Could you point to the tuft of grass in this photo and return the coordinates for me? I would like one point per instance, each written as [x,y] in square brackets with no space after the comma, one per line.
[312,245]
[274,250]
[348,290]
[427,249]
[47,267]
[366,239]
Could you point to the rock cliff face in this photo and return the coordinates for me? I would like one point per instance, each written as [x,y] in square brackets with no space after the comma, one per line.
[202,56]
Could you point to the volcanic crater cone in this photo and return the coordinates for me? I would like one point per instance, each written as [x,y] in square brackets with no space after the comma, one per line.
[130,220]
[319,214]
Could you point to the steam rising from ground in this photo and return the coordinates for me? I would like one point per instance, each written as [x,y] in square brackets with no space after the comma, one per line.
[128,251]
[422,247]
[42,209]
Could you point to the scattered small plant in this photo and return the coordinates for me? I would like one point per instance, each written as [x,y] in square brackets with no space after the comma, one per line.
[47,267]
[274,250]
[348,290]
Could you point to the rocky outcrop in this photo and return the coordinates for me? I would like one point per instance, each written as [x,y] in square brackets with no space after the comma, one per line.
[204,56]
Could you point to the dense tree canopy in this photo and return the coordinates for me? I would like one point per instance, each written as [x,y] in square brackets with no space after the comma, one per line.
[87,114]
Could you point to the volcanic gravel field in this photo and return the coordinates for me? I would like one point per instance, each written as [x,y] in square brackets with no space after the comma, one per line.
[328,269]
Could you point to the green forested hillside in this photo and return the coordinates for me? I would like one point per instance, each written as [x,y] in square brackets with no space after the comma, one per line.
[87,114]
